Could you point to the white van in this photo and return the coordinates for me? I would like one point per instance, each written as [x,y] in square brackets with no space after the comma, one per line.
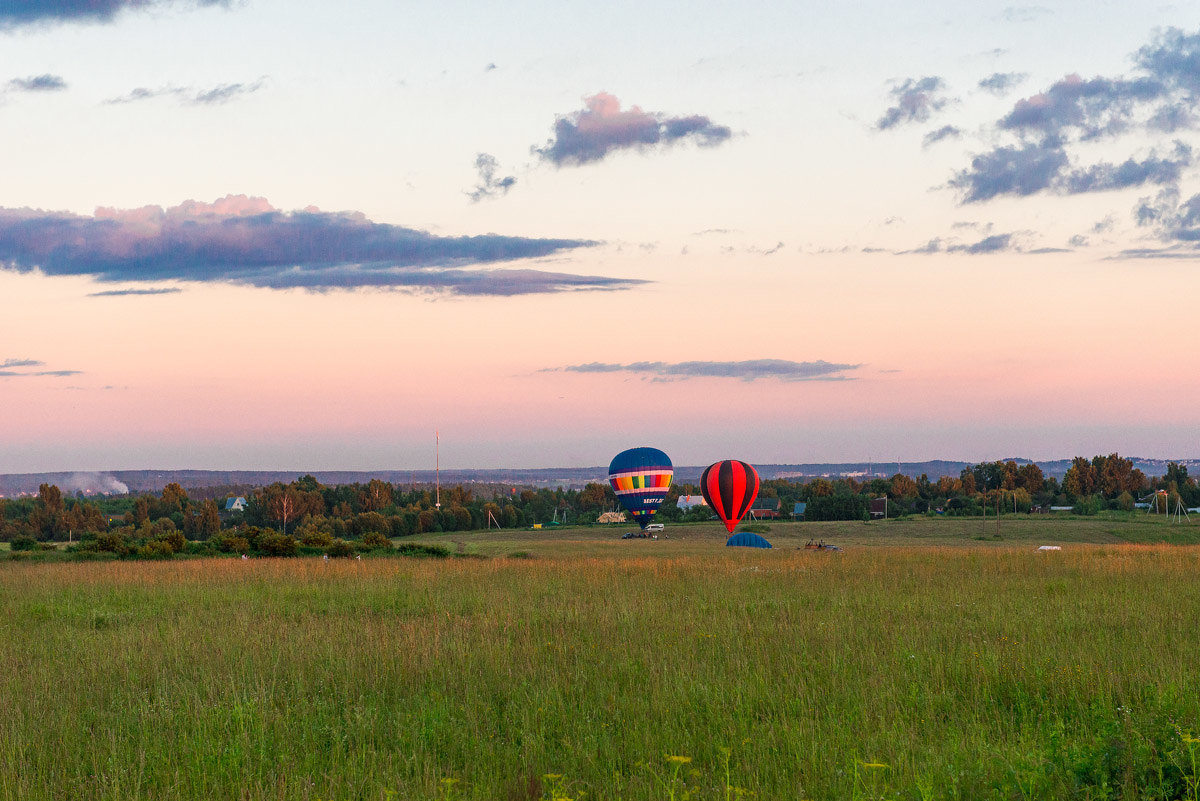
[653,527]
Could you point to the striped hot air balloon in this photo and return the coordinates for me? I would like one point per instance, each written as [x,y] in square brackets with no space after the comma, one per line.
[641,477]
[730,488]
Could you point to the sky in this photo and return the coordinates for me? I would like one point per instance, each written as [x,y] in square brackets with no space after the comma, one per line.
[257,234]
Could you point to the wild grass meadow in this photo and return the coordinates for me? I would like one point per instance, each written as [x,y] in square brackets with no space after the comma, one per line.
[591,668]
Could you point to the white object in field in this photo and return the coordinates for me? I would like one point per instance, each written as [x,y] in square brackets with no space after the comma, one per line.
[1049,547]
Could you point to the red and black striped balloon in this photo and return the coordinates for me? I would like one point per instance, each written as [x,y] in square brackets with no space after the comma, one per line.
[730,488]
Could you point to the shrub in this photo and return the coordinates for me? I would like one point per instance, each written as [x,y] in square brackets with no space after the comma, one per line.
[156,549]
[276,544]
[315,537]
[374,540]
[230,543]
[421,551]
[340,548]
[24,543]
[174,540]
[113,542]
[202,549]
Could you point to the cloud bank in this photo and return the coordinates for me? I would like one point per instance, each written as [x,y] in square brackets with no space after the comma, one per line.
[603,127]
[750,370]
[1158,97]
[19,13]
[244,240]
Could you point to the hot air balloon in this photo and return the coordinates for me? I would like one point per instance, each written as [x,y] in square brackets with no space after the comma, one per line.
[641,477]
[730,487]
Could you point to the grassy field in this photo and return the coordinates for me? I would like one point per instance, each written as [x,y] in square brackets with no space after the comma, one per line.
[575,665]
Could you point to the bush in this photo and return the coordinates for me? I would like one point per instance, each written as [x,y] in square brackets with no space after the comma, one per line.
[315,537]
[374,540]
[174,540]
[156,549]
[202,549]
[422,551]
[275,544]
[230,543]
[340,548]
[113,542]
[23,544]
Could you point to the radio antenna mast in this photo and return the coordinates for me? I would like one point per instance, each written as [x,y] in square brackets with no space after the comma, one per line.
[437,468]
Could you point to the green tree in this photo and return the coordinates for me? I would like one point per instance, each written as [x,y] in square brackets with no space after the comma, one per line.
[1081,479]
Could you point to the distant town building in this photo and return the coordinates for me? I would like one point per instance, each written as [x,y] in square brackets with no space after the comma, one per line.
[765,509]
[686,502]
[235,504]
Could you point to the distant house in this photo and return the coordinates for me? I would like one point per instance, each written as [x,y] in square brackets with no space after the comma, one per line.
[686,502]
[235,504]
[878,508]
[765,509]
[798,509]
[612,517]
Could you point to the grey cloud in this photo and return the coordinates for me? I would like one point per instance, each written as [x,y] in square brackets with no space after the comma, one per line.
[603,127]
[1159,96]
[1174,58]
[7,369]
[225,92]
[37,83]
[945,132]
[915,100]
[243,240]
[1024,13]
[196,97]
[1093,107]
[1036,166]
[1153,170]
[118,293]
[990,244]
[994,243]
[1163,94]
[18,13]
[489,185]
[1173,220]
[1011,170]
[998,83]
[750,370]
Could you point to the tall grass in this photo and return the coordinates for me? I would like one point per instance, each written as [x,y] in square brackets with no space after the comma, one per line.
[877,673]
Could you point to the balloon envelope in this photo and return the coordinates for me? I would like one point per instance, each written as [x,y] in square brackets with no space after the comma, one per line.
[641,477]
[745,539]
[730,488]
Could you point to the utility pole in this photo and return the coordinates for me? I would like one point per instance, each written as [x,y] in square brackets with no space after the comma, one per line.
[437,468]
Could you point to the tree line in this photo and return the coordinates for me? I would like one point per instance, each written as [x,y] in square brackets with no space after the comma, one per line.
[307,516]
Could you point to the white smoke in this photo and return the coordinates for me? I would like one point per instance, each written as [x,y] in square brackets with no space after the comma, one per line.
[95,484]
